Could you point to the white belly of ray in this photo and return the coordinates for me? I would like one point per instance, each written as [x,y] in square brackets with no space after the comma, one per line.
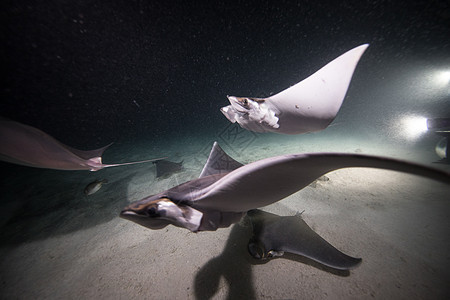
[308,106]
[182,216]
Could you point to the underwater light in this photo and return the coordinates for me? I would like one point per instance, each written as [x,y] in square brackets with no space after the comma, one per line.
[414,126]
[443,77]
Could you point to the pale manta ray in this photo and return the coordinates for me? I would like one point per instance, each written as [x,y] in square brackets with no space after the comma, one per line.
[308,106]
[226,190]
[25,145]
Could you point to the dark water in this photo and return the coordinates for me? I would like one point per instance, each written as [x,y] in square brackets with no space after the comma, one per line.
[90,73]
[151,76]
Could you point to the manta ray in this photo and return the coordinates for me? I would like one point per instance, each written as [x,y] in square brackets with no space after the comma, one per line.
[165,168]
[226,190]
[25,145]
[308,106]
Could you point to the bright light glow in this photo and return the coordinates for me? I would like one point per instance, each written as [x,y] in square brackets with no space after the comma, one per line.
[414,126]
[443,77]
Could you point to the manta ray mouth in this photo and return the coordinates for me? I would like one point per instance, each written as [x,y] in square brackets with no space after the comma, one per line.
[238,105]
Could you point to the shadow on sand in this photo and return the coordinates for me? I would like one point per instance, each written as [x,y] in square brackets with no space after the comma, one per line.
[235,266]
[38,203]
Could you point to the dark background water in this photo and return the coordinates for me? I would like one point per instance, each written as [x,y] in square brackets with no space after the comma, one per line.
[92,72]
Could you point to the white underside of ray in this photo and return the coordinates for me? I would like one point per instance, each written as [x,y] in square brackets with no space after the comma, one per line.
[308,106]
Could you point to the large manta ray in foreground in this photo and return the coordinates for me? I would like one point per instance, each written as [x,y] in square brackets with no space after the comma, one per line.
[226,190]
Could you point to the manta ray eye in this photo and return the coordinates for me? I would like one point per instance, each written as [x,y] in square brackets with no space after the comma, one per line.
[152,212]
[244,102]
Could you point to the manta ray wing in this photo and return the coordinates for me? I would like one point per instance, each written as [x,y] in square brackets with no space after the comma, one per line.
[90,153]
[269,180]
[219,162]
[165,168]
[308,106]
[25,145]
[291,234]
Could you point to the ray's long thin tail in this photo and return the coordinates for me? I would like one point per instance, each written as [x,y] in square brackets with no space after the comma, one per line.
[134,162]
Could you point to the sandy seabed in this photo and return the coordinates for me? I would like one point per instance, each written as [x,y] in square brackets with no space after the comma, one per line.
[59,244]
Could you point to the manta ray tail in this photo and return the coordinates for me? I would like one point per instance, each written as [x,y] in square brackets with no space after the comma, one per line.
[132,163]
